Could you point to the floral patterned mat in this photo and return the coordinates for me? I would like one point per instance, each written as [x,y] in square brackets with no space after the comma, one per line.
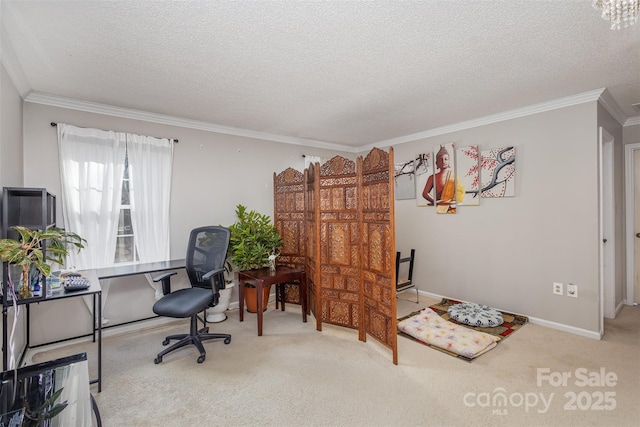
[512,322]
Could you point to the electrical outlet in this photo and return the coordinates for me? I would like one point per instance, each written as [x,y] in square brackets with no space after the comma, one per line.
[572,290]
[558,288]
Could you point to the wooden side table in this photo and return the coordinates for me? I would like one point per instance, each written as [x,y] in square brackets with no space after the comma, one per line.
[265,276]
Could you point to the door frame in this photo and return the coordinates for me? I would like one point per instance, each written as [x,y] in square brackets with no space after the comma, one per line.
[606,227]
[629,169]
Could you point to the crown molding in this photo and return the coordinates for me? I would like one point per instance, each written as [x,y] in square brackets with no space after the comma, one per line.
[568,101]
[12,65]
[631,121]
[607,101]
[601,95]
[127,113]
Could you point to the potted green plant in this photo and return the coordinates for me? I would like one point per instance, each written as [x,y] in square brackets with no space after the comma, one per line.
[27,253]
[254,239]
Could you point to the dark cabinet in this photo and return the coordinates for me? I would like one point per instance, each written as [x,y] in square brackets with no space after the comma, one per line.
[28,207]
[34,208]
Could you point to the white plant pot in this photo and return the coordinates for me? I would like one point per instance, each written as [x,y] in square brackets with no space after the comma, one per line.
[216,314]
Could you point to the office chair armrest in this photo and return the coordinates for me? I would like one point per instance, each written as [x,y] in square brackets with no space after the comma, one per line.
[166,281]
[214,287]
[212,273]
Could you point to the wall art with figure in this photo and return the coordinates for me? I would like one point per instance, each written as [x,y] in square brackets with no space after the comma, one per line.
[443,181]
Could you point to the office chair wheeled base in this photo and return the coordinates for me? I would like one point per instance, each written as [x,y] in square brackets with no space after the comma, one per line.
[195,338]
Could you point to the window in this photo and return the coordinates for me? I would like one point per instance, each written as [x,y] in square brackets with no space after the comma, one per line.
[122,224]
[126,251]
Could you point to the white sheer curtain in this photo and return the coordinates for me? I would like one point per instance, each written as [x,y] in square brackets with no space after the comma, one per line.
[311,159]
[150,166]
[91,170]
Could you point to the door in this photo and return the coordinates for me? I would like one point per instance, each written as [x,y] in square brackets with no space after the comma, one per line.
[632,227]
[635,295]
[607,227]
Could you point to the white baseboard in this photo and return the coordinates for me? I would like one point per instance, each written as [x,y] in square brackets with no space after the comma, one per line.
[159,321]
[136,326]
[619,307]
[536,321]
[430,295]
[106,332]
[566,328]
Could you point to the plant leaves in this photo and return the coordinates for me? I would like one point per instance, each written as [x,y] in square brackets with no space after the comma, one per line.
[253,239]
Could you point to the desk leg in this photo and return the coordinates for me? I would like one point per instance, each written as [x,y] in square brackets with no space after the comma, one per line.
[259,304]
[5,348]
[97,323]
[94,326]
[99,340]
[241,299]
[28,343]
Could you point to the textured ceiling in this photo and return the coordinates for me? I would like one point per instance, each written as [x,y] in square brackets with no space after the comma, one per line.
[352,73]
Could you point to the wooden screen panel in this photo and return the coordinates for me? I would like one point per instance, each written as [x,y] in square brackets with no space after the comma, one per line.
[311,213]
[288,206]
[378,248]
[339,294]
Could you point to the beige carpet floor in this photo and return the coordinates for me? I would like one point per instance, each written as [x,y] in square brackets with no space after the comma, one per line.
[296,376]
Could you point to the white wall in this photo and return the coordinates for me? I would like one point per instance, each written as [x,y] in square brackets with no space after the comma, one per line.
[631,134]
[507,252]
[11,161]
[212,173]
[10,132]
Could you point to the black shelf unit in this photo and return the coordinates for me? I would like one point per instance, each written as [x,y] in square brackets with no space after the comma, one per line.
[29,207]
[34,208]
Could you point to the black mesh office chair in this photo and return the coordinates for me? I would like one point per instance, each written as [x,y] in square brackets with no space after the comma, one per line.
[206,254]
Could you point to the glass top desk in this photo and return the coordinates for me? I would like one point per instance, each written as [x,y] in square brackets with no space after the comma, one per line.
[144,268]
[125,271]
[94,290]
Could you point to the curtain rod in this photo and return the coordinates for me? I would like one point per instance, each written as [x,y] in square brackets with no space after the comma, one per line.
[54,124]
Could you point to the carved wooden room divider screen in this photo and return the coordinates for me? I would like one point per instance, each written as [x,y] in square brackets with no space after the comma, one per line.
[378,248]
[288,206]
[348,241]
[337,291]
[312,214]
